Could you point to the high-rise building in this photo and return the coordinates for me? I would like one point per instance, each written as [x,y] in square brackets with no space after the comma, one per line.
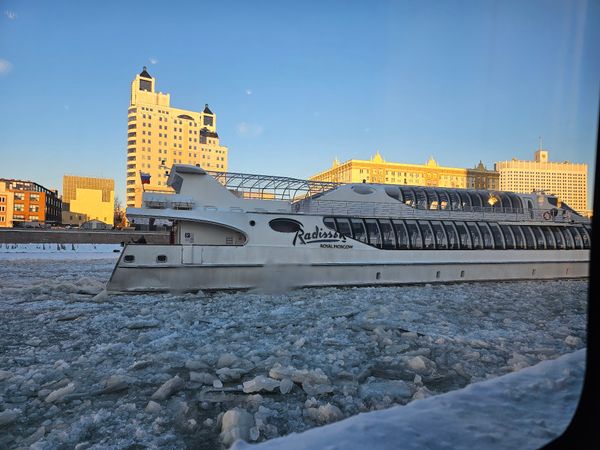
[27,201]
[86,198]
[378,170]
[564,179]
[159,135]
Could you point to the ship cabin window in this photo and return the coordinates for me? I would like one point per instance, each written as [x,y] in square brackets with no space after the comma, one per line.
[463,235]
[401,234]
[529,237]
[452,234]
[161,259]
[427,234]
[475,235]
[568,239]
[550,242]
[509,237]
[441,240]
[374,233]
[558,237]
[497,235]
[358,230]
[577,242]
[519,238]
[343,227]
[285,225]
[414,234]
[539,237]
[585,236]
[387,234]
[129,258]
[486,235]
[330,223]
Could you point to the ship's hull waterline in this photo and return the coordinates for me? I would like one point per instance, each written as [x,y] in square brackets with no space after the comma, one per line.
[189,268]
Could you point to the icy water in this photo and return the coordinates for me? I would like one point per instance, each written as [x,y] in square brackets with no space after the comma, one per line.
[78,370]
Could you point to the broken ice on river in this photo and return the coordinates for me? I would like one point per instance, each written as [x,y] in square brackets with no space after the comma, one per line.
[80,369]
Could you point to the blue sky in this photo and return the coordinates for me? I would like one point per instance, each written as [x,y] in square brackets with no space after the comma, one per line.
[295,84]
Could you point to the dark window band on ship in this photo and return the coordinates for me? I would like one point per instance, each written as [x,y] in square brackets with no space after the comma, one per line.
[404,234]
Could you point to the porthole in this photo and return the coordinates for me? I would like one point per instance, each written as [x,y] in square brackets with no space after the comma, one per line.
[129,258]
[285,225]
[363,189]
[252,223]
[161,259]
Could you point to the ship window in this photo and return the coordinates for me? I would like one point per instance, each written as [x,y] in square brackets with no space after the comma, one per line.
[330,223]
[529,237]
[452,236]
[129,258]
[463,235]
[519,238]
[427,234]
[401,234]
[550,243]
[343,227]
[358,229]
[486,235]
[509,238]
[161,259]
[586,234]
[577,243]
[475,235]
[558,236]
[285,225]
[497,235]
[387,234]
[363,189]
[441,241]
[394,192]
[374,233]
[568,238]
[539,237]
[414,234]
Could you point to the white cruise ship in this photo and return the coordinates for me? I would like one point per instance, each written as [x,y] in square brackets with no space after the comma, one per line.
[240,231]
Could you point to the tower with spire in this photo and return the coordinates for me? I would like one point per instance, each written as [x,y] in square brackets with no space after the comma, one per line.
[160,135]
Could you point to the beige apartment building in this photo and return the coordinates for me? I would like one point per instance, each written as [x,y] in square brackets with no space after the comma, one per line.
[159,135]
[378,170]
[565,179]
[88,198]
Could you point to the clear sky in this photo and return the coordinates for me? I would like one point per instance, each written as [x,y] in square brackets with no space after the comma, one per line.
[295,84]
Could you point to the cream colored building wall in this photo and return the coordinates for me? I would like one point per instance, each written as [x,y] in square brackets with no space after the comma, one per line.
[377,170]
[566,180]
[89,202]
[158,138]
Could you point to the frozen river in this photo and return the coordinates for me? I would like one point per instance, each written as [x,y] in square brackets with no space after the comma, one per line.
[159,371]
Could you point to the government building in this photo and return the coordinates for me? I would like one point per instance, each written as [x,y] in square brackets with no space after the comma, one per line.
[565,179]
[87,198]
[159,135]
[378,170]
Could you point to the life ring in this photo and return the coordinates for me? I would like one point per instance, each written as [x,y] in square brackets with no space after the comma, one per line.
[547,215]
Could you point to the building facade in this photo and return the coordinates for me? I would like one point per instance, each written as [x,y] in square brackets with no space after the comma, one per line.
[87,198]
[159,135]
[565,179]
[24,201]
[378,170]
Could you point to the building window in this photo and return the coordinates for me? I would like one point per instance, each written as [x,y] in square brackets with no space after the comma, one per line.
[19,196]
[19,207]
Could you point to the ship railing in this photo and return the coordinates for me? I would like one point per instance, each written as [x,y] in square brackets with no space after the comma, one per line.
[390,210]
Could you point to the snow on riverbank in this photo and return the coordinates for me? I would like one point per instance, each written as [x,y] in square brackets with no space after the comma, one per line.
[196,371]
[525,409]
[58,251]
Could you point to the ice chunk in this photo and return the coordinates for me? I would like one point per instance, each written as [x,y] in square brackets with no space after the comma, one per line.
[227,360]
[196,364]
[116,383]
[260,383]
[236,424]
[421,393]
[152,407]
[286,385]
[217,383]
[395,389]
[168,388]
[59,394]
[325,413]
[202,377]
[5,375]
[573,341]
[228,375]
[9,416]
